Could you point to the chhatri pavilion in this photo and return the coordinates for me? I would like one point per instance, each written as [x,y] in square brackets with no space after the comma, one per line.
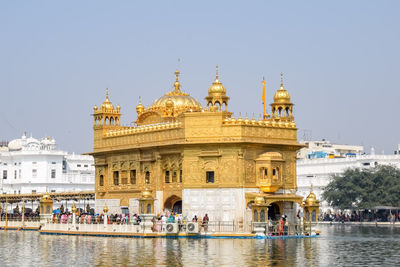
[180,156]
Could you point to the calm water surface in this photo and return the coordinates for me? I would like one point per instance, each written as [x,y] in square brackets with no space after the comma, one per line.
[337,246]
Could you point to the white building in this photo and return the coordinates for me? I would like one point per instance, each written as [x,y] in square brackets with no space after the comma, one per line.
[28,165]
[324,148]
[318,171]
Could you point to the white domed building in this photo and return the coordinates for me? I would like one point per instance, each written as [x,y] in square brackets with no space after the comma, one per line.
[29,165]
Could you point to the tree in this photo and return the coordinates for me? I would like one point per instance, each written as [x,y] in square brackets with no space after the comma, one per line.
[364,188]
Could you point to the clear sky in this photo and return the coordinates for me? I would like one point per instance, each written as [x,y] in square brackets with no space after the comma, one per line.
[340,60]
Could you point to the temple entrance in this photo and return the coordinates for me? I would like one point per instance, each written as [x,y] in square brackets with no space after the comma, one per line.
[173,204]
[177,208]
[273,212]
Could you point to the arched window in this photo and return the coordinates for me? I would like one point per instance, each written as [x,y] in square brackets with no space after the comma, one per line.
[116,121]
[148,210]
[133,176]
[101,180]
[116,177]
[106,121]
[142,208]
[287,112]
[255,219]
[147,177]
[262,216]
[314,216]
[174,180]
[218,105]
[111,121]
[307,215]
[180,176]
[166,177]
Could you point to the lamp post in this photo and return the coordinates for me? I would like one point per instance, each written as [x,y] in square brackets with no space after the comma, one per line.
[73,215]
[6,215]
[105,210]
[23,215]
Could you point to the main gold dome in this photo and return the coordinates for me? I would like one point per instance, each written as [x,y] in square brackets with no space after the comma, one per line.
[182,102]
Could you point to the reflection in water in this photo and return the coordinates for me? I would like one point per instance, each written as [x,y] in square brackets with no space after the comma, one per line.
[338,245]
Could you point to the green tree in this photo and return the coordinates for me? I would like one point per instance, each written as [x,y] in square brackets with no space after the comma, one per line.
[364,188]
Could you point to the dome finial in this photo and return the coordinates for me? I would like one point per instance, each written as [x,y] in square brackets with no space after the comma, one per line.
[177,84]
[106,93]
[216,71]
[281,79]
[140,100]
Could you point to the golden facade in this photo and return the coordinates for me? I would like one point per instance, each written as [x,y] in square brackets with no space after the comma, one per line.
[178,145]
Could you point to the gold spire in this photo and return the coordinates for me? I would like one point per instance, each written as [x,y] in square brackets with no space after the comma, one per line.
[177,84]
[281,95]
[107,106]
[216,87]
[140,108]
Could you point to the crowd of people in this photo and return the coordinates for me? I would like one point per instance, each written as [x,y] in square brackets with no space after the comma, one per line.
[364,216]
[159,221]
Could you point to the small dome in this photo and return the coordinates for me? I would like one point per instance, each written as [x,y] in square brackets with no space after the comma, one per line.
[46,197]
[259,200]
[282,96]
[216,88]
[311,200]
[140,108]
[107,105]
[146,193]
[15,144]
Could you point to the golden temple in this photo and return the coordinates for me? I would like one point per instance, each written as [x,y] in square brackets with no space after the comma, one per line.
[195,160]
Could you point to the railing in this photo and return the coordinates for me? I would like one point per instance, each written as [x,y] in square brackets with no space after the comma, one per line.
[274,228]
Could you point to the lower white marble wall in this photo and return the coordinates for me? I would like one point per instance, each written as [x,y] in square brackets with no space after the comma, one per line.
[112,204]
[221,204]
[133,206]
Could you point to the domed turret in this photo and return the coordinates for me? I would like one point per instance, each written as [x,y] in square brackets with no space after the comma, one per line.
[217,95]
[140,108]
[107,105]
[282,108]
[106,115]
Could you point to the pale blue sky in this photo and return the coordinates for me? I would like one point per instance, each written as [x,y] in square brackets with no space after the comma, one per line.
[340,61]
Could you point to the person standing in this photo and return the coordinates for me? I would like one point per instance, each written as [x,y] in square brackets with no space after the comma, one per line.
[205,222]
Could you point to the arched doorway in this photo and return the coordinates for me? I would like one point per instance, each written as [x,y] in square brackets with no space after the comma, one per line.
[177,208]
[273,212]
[173,204]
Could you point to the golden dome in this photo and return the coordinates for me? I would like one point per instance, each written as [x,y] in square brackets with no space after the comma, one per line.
[140,108]
[282,96]
[259,200]
[311,199]
[107,104]
[216,88]
[105,209]
[146,193]
[182,102]
[46,197]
